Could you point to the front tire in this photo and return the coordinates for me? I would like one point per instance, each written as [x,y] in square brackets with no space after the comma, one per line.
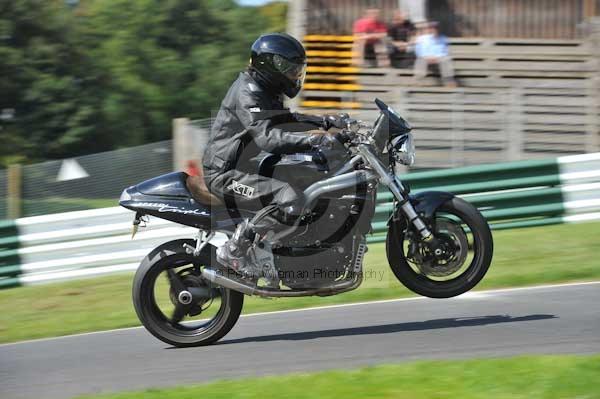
[413,276]
[149,307]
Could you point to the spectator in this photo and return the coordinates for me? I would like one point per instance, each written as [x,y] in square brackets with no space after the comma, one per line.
[400,34]
[431,49]
[370,35]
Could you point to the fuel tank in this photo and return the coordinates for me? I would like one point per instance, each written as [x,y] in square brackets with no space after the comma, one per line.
[303,169]
[167,197]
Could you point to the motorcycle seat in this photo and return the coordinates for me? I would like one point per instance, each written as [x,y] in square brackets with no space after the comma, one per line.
[200,192]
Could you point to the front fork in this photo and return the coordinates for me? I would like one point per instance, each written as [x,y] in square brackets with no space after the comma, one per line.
[399,192]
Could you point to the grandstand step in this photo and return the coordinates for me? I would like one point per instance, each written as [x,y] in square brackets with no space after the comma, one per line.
[328,46]
[333,69]
[478,82]
[563,138]
[542,91]
[554,147]
[332,104]
[387,77]
[329,89]
[533,58]
[454,102]
[498,119]
[505,66]
[331,78]
[498,125]
[516,51]
[538,127]
[481,107]
[497,98]
[329,53]
[330,62]
[329,38]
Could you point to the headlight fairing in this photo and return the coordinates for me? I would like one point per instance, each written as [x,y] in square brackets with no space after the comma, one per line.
[402,148]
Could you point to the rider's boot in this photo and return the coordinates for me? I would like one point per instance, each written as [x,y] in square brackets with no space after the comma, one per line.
[234,253]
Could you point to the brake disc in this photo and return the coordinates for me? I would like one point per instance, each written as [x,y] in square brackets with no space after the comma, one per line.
[455,245]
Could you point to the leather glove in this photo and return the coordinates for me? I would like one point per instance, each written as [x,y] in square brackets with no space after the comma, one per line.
[322,140]
[337,121]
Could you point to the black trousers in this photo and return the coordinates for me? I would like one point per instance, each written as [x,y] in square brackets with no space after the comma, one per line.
[253,192]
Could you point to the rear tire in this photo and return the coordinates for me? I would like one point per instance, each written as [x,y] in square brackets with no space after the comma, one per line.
[168,256]
[423,285]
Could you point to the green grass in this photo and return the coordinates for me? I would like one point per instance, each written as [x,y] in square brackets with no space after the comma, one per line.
[544,377]
[522,257]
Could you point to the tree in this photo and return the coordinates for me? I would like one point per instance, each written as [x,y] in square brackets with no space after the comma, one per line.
[107,74]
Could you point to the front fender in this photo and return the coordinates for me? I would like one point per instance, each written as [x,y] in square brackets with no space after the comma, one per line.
[425,204]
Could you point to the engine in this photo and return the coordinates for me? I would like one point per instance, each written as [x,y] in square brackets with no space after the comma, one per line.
[323,247]
[314,266]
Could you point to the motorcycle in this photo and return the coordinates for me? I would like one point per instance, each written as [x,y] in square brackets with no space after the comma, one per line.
[437,245]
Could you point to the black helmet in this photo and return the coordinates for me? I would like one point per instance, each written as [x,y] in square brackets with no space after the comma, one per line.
[280,61]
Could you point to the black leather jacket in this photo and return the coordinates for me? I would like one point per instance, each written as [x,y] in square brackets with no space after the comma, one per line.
[252,119]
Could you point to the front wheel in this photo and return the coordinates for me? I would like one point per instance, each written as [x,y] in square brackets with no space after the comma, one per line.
[462,259]
[162,300]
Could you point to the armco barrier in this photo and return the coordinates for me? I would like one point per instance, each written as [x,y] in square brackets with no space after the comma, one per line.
[96,242]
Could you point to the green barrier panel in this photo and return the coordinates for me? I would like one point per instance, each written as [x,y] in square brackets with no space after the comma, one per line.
[7,224]
[8,231]
[496,185]
[479,189]
[10,270]
[505,213]
[524,196]
[525,212]
[9,282]
[376,239]
[8,254]
[526,223]
[482,174]
[517,198]
[11,242]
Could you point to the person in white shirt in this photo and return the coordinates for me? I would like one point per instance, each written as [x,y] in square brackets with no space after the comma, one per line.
[431,48]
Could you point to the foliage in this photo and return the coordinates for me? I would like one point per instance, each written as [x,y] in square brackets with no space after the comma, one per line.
[276,13]
[94,75]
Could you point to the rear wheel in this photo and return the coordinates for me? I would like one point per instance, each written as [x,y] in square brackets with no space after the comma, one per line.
[176,304]
[463,258]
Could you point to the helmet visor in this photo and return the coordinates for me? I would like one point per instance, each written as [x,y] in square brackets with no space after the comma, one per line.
[294,71]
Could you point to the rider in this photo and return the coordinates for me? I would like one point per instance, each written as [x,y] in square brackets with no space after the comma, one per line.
[252,118]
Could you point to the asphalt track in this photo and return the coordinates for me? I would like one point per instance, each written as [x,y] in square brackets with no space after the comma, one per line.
[552,319]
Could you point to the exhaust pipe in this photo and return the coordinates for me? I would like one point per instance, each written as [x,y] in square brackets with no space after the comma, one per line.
[226,282]
[218,279]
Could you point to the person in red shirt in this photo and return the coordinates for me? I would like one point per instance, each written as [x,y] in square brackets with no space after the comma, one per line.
[370,35]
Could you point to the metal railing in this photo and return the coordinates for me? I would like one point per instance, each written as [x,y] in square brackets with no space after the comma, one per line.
[85,182]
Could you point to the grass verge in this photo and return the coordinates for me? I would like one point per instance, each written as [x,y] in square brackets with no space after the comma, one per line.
[541,255]
[544,377]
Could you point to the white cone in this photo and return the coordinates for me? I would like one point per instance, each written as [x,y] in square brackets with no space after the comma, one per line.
[71,170]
